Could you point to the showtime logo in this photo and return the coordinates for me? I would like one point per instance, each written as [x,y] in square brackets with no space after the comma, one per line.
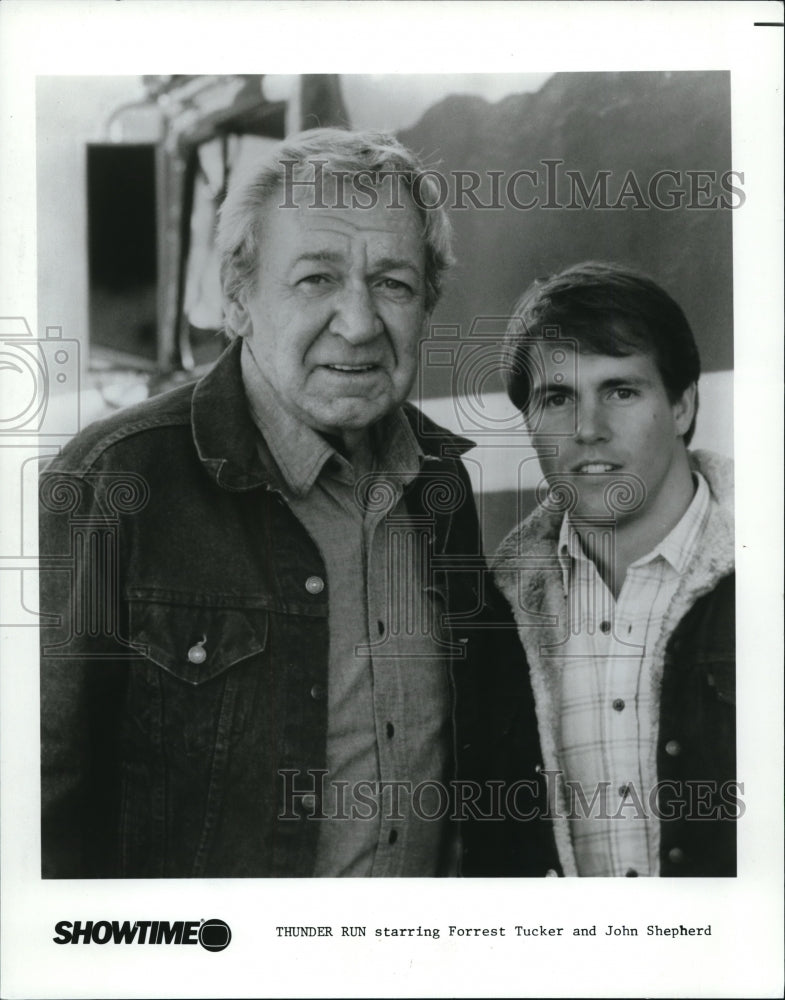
[213,935]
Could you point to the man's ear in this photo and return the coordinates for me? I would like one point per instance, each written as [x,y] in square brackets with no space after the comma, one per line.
[239,318]
[685,408]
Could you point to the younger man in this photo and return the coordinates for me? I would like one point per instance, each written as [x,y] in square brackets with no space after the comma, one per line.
[622,580]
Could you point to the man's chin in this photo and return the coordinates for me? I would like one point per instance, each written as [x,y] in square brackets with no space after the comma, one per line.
[611,496]
[594,513]
[353,416]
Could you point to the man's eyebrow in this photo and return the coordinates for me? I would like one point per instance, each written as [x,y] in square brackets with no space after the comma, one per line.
[554,387]
[394,264]
[632,380]
[337,257]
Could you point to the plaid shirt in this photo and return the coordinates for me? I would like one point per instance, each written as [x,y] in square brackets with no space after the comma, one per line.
[609,714]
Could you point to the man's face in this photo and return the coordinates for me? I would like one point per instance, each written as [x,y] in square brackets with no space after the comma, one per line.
[606,425]
[338,311]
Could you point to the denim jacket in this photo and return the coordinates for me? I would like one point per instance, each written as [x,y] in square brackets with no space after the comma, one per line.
[184,645]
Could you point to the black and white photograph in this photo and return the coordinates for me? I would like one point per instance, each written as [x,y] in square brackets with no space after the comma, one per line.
[368,440]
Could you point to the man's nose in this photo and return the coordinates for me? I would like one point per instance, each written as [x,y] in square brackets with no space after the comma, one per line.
[591,422]
[356,318]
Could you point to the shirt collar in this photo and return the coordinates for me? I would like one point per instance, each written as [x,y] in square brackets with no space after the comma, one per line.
[677,547]
[301,454]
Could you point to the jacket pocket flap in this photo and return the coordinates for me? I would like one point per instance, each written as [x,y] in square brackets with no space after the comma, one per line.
[193,642]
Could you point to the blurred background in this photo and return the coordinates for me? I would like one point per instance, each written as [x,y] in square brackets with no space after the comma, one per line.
[132,170]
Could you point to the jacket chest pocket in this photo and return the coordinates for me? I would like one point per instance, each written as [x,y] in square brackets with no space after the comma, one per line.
[198,683]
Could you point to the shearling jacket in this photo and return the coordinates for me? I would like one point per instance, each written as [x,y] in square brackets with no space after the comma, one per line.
[693,678]
[184,640]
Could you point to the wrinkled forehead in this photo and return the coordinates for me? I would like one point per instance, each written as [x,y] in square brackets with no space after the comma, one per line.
[331,217]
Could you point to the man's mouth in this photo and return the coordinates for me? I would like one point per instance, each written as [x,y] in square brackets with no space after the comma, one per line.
[351,369]
[595,468]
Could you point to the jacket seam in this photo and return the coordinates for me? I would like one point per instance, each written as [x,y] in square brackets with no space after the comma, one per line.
[98,450]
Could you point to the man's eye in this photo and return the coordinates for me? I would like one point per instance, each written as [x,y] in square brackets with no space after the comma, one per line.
[313,279]
[554,400]
[395,286]
[623,393]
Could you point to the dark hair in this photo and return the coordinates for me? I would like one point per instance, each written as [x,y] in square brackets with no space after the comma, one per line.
[608,309]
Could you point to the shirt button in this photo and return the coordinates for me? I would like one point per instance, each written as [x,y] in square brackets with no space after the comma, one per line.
[197,653]
[631,873]
[618,704]
[673,748]
[390,729]
[624,791]
[676,855]
[317,692]
[605,627]
[393,836]
[380,626]
[314,585]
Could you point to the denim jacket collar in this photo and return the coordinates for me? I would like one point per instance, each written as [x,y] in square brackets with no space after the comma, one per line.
[228,442]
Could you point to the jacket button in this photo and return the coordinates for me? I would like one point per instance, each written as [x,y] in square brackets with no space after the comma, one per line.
[673,748]
[308,803]
[314,585]
[618,704]
[676,855]
[197,653]
[551,873]
[605,627]
[317,692]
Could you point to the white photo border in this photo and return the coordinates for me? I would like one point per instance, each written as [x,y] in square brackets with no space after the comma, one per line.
[743,957]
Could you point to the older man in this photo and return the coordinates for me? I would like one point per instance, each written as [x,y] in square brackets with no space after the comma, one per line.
[622,581]
[271,589]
